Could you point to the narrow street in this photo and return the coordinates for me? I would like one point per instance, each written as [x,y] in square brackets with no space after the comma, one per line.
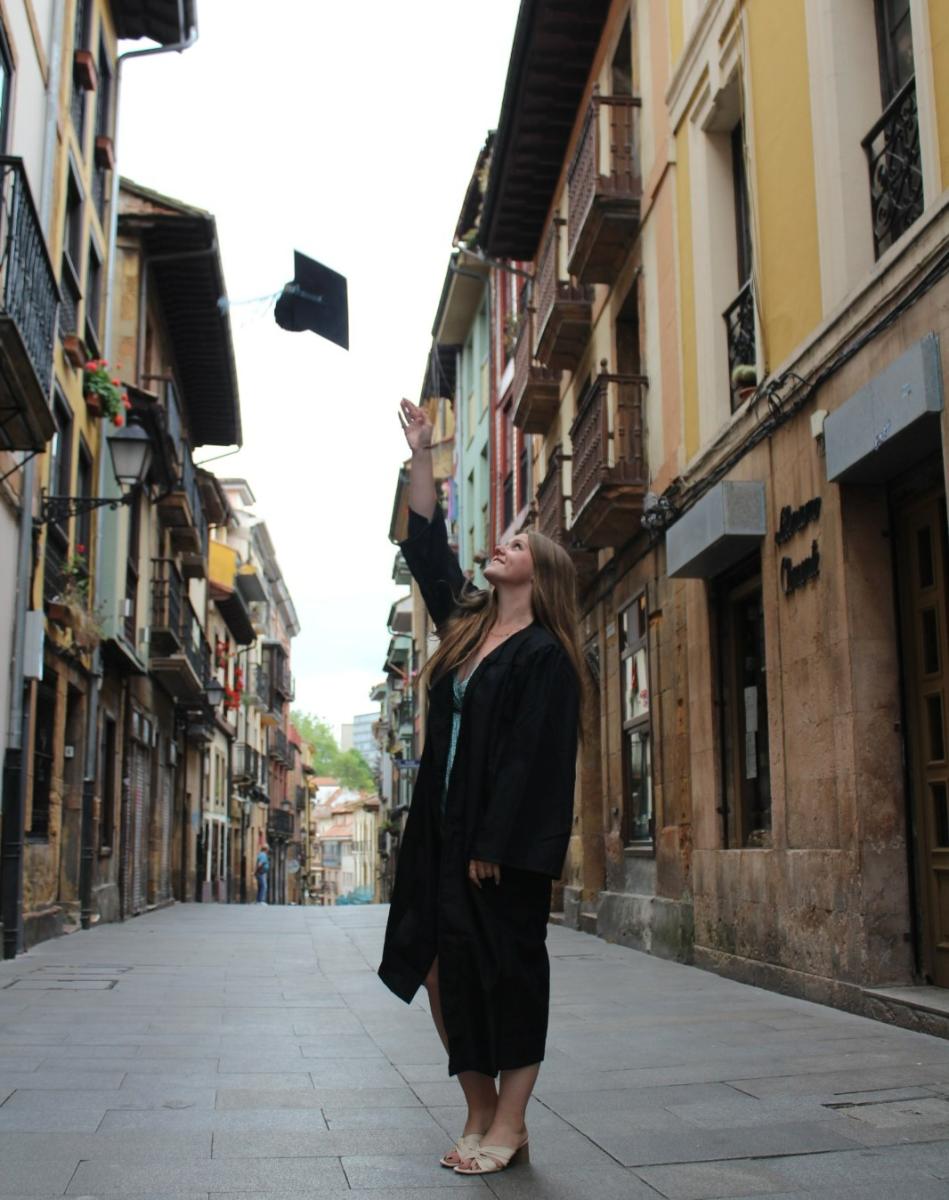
[207,1050]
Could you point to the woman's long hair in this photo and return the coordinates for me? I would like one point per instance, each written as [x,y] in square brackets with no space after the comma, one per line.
[554,601]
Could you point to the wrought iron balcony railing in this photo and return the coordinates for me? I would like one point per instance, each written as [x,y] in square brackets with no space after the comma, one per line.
[281,822]
[31,299]
[167,590]
[739,320]
[896,174]
[196,646]
[551,501]
[245,763]
[536,391]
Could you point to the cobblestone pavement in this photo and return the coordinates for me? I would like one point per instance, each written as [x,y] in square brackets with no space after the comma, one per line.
[204,1051]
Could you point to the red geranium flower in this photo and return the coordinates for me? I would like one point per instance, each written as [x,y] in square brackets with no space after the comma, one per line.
[118,420]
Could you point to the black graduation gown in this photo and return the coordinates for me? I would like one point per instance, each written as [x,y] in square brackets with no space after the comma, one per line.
[510,801]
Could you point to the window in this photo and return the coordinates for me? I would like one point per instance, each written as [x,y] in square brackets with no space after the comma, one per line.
[6,72]
[104,94]
[43,758]
[622,66]
[635,706]
[84,488]
[72,255]
[740,315]
[522,472]
[93,297]
[107,775]
[130,626]
[60,483]
[507,465]
[82,41]
[895,43]
[746,760]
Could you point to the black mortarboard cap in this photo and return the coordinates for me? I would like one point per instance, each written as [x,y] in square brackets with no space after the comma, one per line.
[316,300]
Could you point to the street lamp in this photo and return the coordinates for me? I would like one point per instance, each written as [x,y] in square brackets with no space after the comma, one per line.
[214,692]
[131,452]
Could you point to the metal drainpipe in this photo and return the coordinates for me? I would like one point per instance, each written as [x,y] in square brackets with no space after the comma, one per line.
[13,797]
[87,824]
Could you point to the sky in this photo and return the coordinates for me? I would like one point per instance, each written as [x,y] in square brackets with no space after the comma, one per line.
[348,131]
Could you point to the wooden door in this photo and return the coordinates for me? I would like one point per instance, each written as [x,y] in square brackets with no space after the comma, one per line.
[922,573]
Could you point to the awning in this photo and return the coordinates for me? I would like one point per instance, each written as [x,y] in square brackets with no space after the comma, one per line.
[726,524]
[891,422]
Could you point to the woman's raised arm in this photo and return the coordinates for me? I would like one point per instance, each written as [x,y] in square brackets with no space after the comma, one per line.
[418,433]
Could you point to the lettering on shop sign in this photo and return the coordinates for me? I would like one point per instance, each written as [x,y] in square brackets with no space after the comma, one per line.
[795,575]
[793,520]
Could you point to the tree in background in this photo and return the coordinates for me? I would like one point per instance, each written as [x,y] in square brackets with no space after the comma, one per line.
[350,768]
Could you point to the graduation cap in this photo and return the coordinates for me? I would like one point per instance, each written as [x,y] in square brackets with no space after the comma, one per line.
[314,300]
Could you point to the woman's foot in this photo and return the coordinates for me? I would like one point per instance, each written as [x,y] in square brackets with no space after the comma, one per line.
[467,1145]
[499,1149]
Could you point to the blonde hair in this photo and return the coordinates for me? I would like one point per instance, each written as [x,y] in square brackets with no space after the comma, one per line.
[553,599]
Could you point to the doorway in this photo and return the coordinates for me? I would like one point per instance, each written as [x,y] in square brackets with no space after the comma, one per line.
[922,562]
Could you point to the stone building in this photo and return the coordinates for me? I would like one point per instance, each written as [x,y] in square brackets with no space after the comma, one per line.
[729,358]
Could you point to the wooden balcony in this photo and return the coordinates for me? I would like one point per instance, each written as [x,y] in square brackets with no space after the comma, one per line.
[609,470]
[182,511]
[179,654]
[604,189]
[552,500]
[536,391]
[564,308]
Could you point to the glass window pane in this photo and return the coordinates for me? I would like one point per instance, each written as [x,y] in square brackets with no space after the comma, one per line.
[924,557]
[937,738]
[930,632]
[639,782]
[940,813]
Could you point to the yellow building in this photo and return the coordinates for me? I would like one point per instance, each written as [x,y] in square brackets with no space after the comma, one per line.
[730,362]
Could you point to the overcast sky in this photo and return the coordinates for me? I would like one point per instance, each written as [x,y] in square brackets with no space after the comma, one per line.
[348,131]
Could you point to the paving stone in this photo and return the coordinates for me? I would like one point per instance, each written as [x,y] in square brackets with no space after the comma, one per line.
[147,1145]
[542,1182]
[299,1120]
[334,1143]
[377,1171]
[708,1181]
[343,1117]
[44,1174]
[219,1175]
[50,1080]
[347,1046]
[231,1098]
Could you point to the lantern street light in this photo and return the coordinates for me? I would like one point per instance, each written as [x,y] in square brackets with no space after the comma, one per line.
[131,452]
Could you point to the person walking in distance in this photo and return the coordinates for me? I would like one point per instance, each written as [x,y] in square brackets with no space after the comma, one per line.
[491,813]
[261,871]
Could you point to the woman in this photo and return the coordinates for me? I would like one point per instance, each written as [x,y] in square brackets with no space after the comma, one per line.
[491,813]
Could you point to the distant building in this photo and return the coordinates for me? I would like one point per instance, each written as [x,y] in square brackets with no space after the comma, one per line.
[346,737]
[363,738]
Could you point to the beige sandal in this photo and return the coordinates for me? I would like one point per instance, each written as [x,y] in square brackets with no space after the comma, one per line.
[488,1159]
[465,1147]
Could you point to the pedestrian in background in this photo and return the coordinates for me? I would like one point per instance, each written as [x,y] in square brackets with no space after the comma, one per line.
[261,871]
[491,813]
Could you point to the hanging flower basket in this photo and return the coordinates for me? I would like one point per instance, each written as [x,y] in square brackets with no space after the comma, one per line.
[104,393]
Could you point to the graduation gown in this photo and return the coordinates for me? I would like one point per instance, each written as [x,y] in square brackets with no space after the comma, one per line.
[509,801]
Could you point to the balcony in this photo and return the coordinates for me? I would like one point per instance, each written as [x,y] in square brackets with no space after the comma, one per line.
[564,308]
[260,691]
[739,320]
[896,174]
[280,823]
[552,514]
[536,391]
[300,795]
[182,512]
[605,189]
[278,747]
[609,470]
[30,300]
[179,653]
[246,764]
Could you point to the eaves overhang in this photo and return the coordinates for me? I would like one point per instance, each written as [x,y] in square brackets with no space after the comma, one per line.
[162,21]
[555,42]
[183,261]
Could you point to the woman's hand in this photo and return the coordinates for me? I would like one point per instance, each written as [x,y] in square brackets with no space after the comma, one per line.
[478,870]
[415,425]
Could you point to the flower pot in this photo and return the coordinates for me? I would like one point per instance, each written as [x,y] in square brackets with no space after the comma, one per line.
[105,153]
[745,392]
[62,614]
[75,350]
[84,70]
[93,404]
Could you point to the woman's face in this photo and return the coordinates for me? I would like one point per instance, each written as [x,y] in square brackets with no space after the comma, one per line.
[511,563]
